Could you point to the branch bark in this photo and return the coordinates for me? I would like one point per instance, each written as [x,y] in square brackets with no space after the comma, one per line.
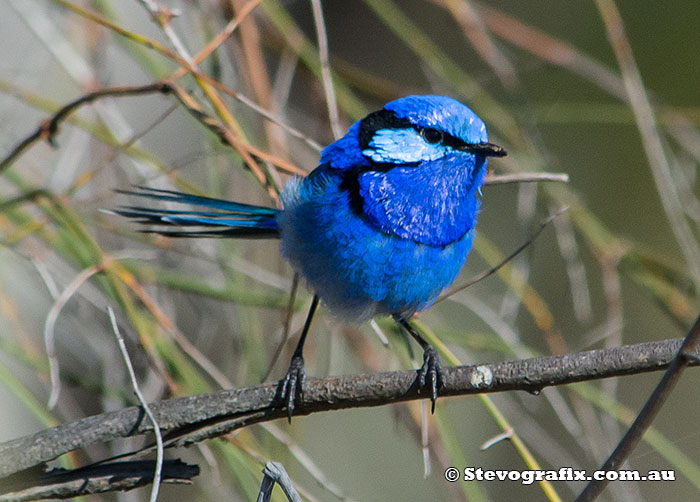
[192,419]
[34,484]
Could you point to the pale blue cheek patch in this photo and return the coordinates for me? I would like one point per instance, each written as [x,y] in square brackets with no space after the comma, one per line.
[398,146]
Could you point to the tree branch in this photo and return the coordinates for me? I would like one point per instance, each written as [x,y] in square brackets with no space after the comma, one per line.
[195,418]
[35,484]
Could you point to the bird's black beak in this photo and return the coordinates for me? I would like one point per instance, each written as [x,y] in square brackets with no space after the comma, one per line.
[485,149]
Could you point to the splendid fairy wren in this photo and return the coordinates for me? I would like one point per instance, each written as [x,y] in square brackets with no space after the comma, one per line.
[380,227]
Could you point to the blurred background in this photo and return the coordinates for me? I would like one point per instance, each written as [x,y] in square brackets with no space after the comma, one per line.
[605,92]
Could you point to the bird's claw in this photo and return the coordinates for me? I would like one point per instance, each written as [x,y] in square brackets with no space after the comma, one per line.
[293,384]
[430,375]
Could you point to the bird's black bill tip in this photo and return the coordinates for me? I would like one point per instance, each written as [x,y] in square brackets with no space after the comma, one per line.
[486,149]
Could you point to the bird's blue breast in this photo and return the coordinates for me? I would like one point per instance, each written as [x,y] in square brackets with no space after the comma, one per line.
[356,269]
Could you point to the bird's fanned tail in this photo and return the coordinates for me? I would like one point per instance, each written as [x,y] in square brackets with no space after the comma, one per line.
[222,219]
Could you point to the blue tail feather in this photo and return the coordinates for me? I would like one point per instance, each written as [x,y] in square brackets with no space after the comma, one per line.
[197,200]
[231,219]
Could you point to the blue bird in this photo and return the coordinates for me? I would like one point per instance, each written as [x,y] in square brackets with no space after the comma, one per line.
[379,228]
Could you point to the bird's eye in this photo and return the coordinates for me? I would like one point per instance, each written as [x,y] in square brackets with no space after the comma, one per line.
[432,136]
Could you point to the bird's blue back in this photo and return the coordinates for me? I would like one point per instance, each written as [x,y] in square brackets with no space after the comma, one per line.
[386,221]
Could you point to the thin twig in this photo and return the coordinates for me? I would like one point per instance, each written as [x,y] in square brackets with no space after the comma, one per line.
[292,131]
[478,35]
[425,439]
[576,272]
[378,331]
[326,77]
[483,275]
[50,323]
[275,473]
[501,179]
[162,16]
[286,327]
[134,383]
[507,434]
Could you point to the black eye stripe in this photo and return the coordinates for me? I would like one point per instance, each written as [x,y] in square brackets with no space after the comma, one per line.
[452,142]
[386,119]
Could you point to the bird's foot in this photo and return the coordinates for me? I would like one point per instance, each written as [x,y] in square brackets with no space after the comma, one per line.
[293,384]
[430,375]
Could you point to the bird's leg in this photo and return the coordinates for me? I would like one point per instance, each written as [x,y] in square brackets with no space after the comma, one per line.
[430,374]
[293,383]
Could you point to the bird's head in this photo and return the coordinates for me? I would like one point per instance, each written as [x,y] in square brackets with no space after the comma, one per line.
[417,129]
[415,166]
